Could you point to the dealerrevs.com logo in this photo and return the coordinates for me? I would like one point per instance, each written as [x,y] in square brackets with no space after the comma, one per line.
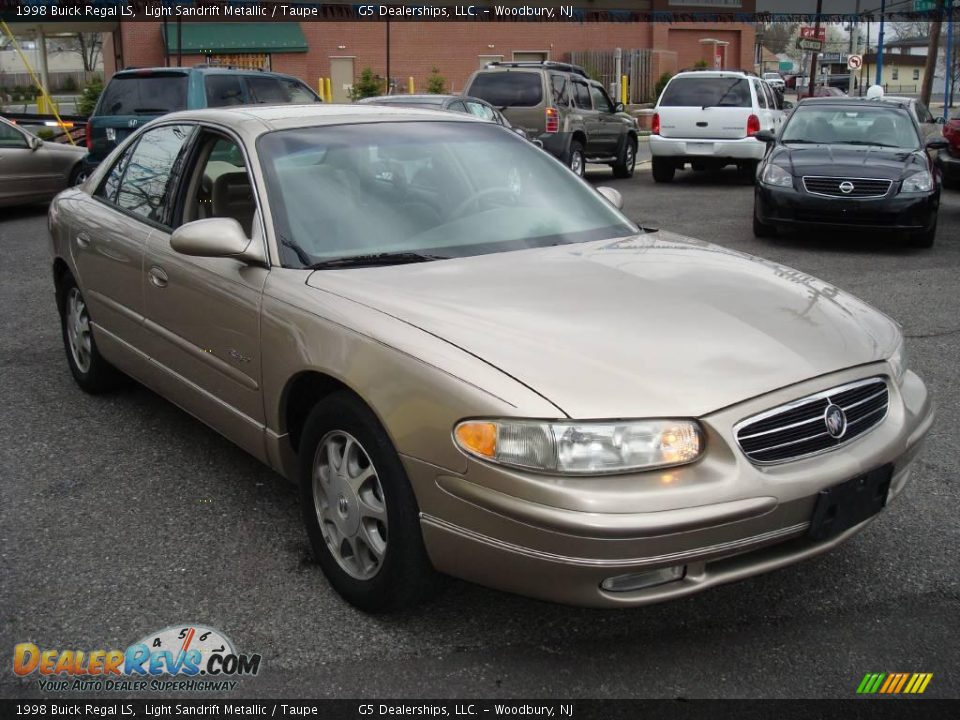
[178,658]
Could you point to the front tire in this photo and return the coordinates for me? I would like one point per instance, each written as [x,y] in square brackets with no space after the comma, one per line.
[93,374]
[359,509]
[627,161]
[663,169]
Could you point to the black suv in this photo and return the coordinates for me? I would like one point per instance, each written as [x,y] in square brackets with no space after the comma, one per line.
[558,104]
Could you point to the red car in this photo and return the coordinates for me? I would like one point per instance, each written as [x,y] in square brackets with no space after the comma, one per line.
[948,159]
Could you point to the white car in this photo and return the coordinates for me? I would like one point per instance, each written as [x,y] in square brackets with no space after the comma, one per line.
[707,119]
[775,81]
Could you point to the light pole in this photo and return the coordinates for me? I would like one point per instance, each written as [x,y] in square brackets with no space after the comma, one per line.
[883,9]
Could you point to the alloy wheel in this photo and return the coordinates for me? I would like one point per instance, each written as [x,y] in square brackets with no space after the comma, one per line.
[78,330]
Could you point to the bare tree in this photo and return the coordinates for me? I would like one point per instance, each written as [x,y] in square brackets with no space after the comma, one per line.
[778,36]
[88,46]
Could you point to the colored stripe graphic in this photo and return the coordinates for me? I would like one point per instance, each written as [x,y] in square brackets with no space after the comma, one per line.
[894,683]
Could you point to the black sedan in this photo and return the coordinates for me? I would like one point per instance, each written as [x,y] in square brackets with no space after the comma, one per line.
[848,163]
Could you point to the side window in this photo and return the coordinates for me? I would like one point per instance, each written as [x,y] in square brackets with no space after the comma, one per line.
[151,174]
[268,90]
[456,106]
[223,90]
[108,188]
[481,111]
[600,100]
[10,137]
[582,97]
[761,98]
[219,184]
[559,84]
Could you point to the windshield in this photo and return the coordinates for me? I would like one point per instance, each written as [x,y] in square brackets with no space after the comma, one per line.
[153,94]
[707,92]
[442,189]
[867,125]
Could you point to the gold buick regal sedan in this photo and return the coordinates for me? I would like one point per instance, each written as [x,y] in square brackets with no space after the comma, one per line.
[473,364]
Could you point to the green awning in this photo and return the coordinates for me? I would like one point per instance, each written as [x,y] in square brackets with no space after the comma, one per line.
[233,37]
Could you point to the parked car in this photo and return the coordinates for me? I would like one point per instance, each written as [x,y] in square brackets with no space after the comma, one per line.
[828,91]
[948,159]
[32,170]
[394,347]
[452,103]
[557,104]
[775,81]
[706,119]
[929,125]
[849,163]
[135,97]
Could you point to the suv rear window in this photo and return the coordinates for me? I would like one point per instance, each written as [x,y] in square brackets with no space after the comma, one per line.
[508,89]
[152,94]
[707,91]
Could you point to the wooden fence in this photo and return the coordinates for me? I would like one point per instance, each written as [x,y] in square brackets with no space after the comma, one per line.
[637,65]
[59,81]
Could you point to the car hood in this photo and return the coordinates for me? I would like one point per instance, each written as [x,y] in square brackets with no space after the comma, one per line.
[858,161]
[653,325]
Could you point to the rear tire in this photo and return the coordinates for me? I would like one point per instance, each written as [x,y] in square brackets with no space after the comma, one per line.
[361,514]
[576,160]
[627,161]
[77,176]
[663,169]
[762,229]
[93,374]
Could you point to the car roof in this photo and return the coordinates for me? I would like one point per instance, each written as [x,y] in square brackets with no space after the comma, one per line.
[202,69]
[853,101]
[258,119]
[713,74]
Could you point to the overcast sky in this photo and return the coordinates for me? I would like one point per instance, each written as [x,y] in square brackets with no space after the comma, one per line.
[830,6]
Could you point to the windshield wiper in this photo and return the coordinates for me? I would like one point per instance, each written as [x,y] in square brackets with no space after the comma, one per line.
[373,259]
[800,141]
[725,93]
[299,251]
[868,142]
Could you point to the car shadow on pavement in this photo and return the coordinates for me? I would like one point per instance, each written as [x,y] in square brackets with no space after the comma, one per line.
[854,240]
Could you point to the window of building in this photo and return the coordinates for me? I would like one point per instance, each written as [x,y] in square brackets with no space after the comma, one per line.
[916,73]
[895,74]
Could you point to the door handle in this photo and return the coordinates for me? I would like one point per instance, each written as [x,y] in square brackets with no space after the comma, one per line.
[83,240]
[158,277]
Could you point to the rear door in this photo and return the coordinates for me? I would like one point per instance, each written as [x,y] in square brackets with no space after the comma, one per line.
[130,100]
[705,106]
[766,108]
[25,173]
[589,118]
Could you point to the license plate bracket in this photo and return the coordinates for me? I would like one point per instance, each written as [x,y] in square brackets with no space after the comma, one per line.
[842,506]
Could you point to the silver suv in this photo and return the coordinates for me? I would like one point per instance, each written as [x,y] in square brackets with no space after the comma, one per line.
[558,104]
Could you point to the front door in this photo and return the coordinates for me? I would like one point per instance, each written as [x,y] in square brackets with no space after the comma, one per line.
[341,78]
[25,173]
[202,315]
[610,124]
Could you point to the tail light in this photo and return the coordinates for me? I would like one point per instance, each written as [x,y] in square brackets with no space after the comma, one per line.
[655,125]
[753,125]
[89,132]
[553,120]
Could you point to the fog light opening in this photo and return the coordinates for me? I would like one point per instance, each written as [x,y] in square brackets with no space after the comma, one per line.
[643,580]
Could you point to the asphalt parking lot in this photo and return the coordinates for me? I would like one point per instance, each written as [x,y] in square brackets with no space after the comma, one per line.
[122,515]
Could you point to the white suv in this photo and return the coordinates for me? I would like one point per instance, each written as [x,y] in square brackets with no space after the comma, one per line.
[708,118]
[775,80]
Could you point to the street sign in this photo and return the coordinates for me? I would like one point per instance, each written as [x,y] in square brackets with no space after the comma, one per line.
[814,33]
[855,62]
[810,44]
[924,5]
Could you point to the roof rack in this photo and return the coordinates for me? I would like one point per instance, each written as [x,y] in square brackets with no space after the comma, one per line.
[552,65]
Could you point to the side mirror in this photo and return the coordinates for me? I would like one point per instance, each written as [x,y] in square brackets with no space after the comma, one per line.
[619,107]
[520,131]
[34,142]
[612,196]
[766,136]
[216,237]
[937,144]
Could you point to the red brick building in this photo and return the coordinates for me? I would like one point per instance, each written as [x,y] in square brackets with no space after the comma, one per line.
[342,49]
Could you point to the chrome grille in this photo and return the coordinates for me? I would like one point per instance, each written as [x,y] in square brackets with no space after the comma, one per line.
[861,187]
[798,429]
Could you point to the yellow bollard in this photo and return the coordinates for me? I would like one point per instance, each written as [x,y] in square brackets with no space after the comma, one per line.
[411,89]
[624,87]
[328,86]
[320,91]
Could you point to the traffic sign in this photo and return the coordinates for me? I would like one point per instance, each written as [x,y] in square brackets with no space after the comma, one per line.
[855,62]
[924,5]
[811,44]
[814,33]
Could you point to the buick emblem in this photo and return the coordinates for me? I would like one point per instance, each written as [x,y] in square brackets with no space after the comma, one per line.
[846,187]
[835,420]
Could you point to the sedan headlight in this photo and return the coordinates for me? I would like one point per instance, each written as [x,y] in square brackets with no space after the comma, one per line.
[582,448]
[899,361]
[777,176]
[918,183]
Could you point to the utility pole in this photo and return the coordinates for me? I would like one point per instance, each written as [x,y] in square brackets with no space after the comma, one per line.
[883,10]
[854,28]
[388,57]
[811,87]
[933,47]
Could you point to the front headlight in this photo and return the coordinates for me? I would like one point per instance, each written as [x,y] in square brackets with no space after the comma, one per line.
[899,361]
[582,448]
[917,183]
[777,176]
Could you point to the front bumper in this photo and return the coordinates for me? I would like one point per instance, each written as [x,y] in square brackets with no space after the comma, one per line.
[720,519]
[789,207]
[705,149]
